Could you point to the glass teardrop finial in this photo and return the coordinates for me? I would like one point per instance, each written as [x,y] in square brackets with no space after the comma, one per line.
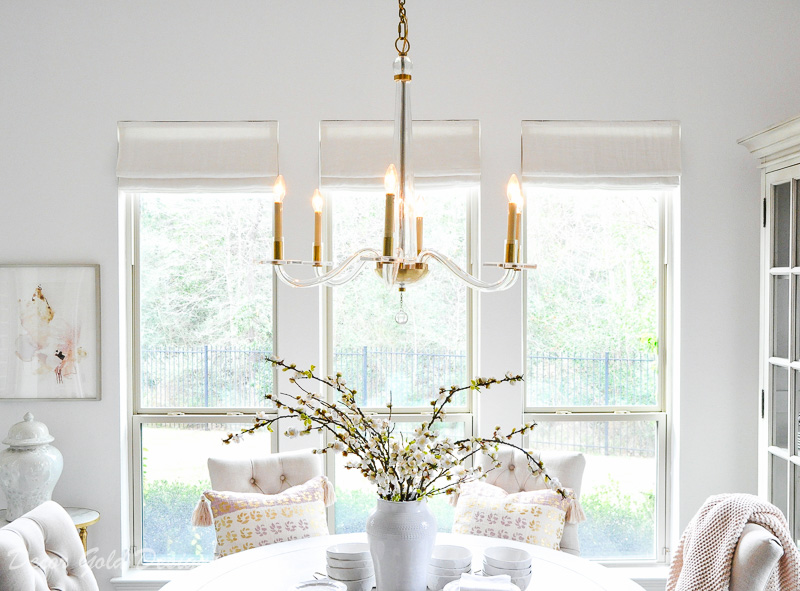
[401,317]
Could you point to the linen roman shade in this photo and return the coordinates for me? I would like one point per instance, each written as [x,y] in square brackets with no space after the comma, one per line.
[601,154]
[355,154]
[188,156]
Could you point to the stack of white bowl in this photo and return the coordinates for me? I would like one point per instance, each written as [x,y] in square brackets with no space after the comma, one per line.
[503,560]
[351,564]
[447,564]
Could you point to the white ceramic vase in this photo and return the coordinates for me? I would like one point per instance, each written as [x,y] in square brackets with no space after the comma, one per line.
[29,468]
[401,538]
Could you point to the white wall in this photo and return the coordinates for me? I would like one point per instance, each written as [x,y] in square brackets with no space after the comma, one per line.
[70,70]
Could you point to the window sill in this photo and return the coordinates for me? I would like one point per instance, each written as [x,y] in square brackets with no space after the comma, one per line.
[650,578]
[145,579]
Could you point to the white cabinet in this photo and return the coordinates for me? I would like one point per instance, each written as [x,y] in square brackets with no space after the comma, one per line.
[778,152]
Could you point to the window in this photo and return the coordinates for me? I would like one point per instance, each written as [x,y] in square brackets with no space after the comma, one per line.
[596,323]
[202,320]
[385,360]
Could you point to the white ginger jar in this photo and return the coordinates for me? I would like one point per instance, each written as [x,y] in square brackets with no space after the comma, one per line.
[29,468]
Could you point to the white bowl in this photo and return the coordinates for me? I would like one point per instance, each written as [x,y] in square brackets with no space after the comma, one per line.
[514,573]
[451,557]
[448,572]
[350,574]
[522,582]
[507,557]
[438,582]
[339,563]
[351,551]
[362,585]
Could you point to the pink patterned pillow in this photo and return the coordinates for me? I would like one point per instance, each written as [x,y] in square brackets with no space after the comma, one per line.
[497,517]
[248,520]
[547,497]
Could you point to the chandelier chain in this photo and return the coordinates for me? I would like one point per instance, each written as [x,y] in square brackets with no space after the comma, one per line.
[401,44]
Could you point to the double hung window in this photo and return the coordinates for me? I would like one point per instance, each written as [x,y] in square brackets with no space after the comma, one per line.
[387,350]
[202,315]
[599,199]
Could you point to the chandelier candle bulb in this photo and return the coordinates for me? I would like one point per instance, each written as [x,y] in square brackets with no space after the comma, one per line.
[514,194]
[317,202]
[420,211]
[390,184]
[279,189]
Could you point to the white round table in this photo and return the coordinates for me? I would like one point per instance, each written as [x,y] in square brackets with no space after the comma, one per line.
[280,567]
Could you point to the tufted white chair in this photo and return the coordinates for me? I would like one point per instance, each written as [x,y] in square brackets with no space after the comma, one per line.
[41,550]
[514,476]
[267,475]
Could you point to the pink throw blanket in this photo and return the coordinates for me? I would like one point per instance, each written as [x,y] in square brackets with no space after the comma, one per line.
[704,556]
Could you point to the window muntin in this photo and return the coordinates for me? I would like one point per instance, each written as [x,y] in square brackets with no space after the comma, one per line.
[203,317]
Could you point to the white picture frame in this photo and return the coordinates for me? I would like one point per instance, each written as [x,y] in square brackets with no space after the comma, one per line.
[50,332]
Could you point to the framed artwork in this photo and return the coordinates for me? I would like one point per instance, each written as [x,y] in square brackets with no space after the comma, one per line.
[50,332]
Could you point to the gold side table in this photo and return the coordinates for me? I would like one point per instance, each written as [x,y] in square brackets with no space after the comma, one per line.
[82,518]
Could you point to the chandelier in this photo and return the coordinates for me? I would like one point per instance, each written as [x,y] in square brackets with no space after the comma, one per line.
[402,260]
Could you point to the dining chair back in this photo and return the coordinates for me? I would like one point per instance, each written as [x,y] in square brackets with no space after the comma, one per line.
[514,476]
[267,475]
[756,555]
[735,541]
[41,550]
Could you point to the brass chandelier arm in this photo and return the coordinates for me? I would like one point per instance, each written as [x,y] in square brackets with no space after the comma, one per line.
[331,277]
[507,280]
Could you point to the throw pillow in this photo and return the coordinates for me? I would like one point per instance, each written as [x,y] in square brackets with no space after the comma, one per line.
[247,520]
[494,517]
[551,498]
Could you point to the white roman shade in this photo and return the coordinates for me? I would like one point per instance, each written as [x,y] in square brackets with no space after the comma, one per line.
[601,154]
[355,154]
[188,156]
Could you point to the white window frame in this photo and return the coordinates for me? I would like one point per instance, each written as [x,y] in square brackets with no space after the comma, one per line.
[139,415]
[659,411]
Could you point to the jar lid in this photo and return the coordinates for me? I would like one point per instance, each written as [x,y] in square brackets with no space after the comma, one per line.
[28,432]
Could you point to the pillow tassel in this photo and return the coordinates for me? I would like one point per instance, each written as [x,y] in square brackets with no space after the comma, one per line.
[201,517]
[574,513]
[453,498]
[328,491]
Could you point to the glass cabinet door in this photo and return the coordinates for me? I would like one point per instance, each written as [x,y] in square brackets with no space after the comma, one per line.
[783,341]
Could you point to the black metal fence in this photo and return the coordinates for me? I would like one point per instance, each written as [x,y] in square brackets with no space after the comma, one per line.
[605,379]
[408,377]
[218,377]
[204,377]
